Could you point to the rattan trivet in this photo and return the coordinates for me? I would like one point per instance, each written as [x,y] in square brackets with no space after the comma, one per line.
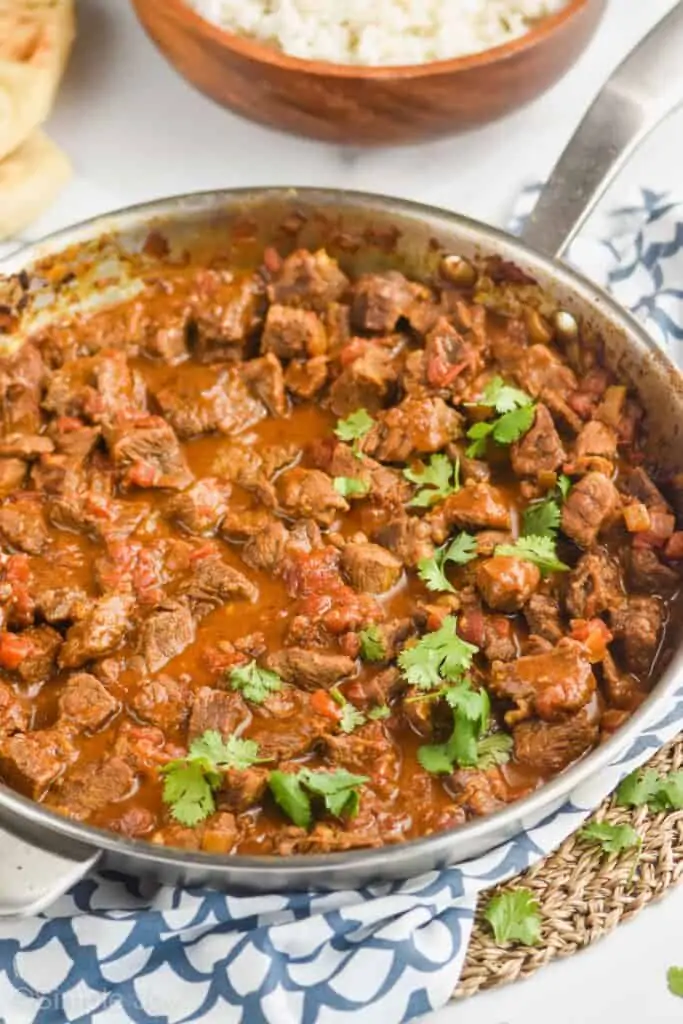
[583,894]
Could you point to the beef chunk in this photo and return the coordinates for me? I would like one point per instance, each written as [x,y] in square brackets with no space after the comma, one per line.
[293,333]
[646,572]
[621,688]
[506,583]
[73,438]
[640,486]
[39,663]
[203,400]
[638,624]
[14,717]
[12,475]
[101,631]
[93,787]
[596,438]
[96,515]
[219,711]
[266,380]
[85,701]
[418,426]
[541,370]
[146,453]
[542,614]
[225,314]
[212,583]
[200,509]
[370,568]
[479,793]
[21,378]
[22,525]
[98,389]
[367,750]
[384,485]
[549,684]
[310,494]
[493,634]
[163,702]
[31,761]
[240,790]
[383,687]
[61,604]
[474,507]
[311,669]
[550,747]
[365,383]
[409,537]
[25,446]
[591,505]
[380,300]
[303,725]
[266,548]
[306,379]
[540,450]
[308,280]
[165,633]
[594,586]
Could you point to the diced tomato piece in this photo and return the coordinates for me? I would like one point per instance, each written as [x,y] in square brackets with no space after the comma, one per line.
[67,424]
[18,569]
[99,506]
[441,373]
[324,705]
[203,551]
[141,474]
[272,260]
[594,635]
[14,648]
[674,546]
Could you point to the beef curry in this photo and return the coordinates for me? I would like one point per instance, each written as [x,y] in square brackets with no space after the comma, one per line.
[295,563]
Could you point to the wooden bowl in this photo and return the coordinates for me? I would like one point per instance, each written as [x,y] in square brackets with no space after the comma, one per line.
[366,105]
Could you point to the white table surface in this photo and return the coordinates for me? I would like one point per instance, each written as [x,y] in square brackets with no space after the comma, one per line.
[136,131]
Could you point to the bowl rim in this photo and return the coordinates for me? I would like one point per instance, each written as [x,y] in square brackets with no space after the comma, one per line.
[262,53]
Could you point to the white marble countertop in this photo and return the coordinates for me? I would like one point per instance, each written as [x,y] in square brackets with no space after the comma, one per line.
[136,131]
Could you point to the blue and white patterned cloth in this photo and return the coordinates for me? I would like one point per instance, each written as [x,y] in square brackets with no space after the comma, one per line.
[112,951]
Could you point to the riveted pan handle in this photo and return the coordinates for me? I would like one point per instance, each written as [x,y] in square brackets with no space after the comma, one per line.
[31,878]
[643,90]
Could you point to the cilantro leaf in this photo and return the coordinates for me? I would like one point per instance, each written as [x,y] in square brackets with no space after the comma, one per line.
[380,712]
[674,979]
[460,551]
[503,397]
[564,486]
[494,750]
[289,794]
[435,481]
[659,792]
[339,789]
[471,713]
[516,412]
[354,428]
[350,487]
[254,683]
[513,425]
[372,644]
[514,917]
[612,838]
[351,718]
[232,752]
[539,550]
[542,519]
[437,656]
[478,434]
[435,758]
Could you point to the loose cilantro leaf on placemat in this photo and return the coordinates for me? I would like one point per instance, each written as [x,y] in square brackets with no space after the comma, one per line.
[612,838]
[514,917]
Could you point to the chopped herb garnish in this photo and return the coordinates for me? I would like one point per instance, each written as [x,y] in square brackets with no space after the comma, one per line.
[674,979]
[189,782]
[471,714]
[516,414]
[338,789]
[542,518]
[354,428]
[539,550]
[564,485]
[493,750]
[514,917]
[254,683]
[503,397]
[659,792]
[459,551]
[372,644]
[612,838]
[350,487]
[350,717]
[380,712]
[438,656]
[435,481]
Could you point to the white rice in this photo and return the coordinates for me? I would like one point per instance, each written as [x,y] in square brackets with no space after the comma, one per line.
[377,32]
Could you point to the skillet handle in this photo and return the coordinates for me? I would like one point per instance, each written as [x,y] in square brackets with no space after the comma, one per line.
[643,90]
[31,879]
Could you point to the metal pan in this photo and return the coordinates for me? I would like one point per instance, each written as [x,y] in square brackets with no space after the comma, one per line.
[43,853]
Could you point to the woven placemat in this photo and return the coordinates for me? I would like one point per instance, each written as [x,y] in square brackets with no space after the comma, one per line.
[583,894]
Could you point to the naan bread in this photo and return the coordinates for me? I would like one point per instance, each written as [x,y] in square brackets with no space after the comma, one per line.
[30,178]
[35,39]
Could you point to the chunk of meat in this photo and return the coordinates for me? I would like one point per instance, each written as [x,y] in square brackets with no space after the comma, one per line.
[96,515]
[638,625]
[133,568]
[540,450]
[370,568]
[213,583]
[596,438]
[61,604]
[146,453]
[550,747]
[266,548]
[30,762]
[639,485]
[14,716]
[39,663]
[647,573]
[306,378]
[200,509]
[506,583]
[165,633]
[594,586]
[549,684]
[266,380]
[86,702]
[291,333]
[203,400]
[21,378]
[540,370]
[311,669]
[98,389]
[368,751]
[621,688]
[12,476]
[163,702]
[92,787]
[308,280]
[241,789]
[225,312]
[493,634]
[409,537]
[542,614]
[476,506]
[479,793]
[591,505]
[309,493]
[25,446]
[365,383]
[417,426]
[285,726]
[380,300]
[219,711]
[101,630]
[22,525]
[385,486]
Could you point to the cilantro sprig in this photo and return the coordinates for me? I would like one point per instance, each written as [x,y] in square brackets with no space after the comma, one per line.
[354,428]
[539,550]
[611,838]
[372,646]
[514,917]
[438,656]
[190,782]
[379,713]
[350,717]
[435,481]
[459,551]
[254,683]
[294,793]
[658,792]
[516,412]
[674,980]
[350,487]
[542,518]
[465,747]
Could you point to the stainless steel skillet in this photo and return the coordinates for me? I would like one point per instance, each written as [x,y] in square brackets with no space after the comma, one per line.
[42,853]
